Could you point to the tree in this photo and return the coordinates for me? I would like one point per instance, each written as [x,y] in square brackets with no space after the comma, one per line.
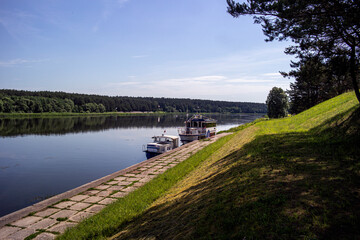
[317,80]
[277,103]
[326,27]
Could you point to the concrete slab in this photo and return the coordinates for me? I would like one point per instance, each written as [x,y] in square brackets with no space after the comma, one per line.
[124,183]
[79,206]
[112,182]
[47,212]
[102,187]
[119,194]
[95,208]
[6,231]
[91,192]
[79,198]
[133,179]
[93,199]
[61,227]
[107,201]
[129,189]
[81,216]
[65,204]
[145,180]
[21,235]
[63,214]
[120,178]
[43,224]
[104,193]
[27,221]
[116,188]
[129,175]
[45,236]
[139,184]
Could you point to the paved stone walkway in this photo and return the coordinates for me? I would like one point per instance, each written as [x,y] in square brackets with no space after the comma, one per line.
[54,219]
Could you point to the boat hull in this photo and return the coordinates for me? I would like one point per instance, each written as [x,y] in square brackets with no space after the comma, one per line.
[188,138]
[151,154]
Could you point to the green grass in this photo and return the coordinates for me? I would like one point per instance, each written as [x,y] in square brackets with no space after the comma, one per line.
[292,178]
[243,126]
[114,216]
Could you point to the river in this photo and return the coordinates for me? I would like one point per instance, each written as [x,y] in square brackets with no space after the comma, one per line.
[42,157]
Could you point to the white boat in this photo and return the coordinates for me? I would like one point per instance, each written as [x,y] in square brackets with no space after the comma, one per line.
[197,127]
[161,144]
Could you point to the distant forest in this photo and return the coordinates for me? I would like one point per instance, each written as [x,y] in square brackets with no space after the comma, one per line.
[18,101]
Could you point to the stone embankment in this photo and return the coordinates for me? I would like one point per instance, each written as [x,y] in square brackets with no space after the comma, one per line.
[51,217]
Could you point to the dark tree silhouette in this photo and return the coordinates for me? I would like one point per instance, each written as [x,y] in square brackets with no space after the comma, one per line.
[326,27]
[37,102]
[277,103]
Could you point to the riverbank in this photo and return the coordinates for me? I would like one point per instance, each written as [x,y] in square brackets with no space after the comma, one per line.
[52,216]
[289,178]
[292,178]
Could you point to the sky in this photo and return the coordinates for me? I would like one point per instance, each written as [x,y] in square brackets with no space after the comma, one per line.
[158,48]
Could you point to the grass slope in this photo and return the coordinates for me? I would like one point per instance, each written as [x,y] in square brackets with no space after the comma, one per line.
[114,216]
[292,178]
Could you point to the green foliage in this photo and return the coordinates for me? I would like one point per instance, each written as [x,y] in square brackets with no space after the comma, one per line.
[317,80]
[38,102]
[277,103]
[328,29]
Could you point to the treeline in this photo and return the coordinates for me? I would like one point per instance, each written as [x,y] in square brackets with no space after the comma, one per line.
[19,101]
[325,38]
[317,79]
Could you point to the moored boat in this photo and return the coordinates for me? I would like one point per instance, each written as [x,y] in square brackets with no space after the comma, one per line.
[197,127]
[161,144]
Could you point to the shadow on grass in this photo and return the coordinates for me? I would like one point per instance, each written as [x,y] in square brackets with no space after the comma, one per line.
[286,186]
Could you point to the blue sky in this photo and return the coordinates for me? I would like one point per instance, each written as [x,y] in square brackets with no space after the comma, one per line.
[158,48]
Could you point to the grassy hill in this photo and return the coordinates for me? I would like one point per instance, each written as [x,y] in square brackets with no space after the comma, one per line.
[292,178]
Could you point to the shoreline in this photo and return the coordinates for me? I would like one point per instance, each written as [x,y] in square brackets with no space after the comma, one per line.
[6,219]
[49,214]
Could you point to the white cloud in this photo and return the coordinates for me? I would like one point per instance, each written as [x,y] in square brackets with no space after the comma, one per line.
[215,87]
[272,74]
[203,79]
[240,80]
[118,84]
[139,56]
[20,61]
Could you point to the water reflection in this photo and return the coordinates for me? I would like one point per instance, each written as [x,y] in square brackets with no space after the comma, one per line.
[41,157]
[65,125]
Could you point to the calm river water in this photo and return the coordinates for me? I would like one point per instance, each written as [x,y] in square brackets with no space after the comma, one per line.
[43,157]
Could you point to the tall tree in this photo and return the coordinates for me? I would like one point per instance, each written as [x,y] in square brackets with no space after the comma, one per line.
[316,80]
[326,27]
[277,103]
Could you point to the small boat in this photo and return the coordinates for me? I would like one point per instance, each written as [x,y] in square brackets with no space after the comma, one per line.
[161,144]
[197,127]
